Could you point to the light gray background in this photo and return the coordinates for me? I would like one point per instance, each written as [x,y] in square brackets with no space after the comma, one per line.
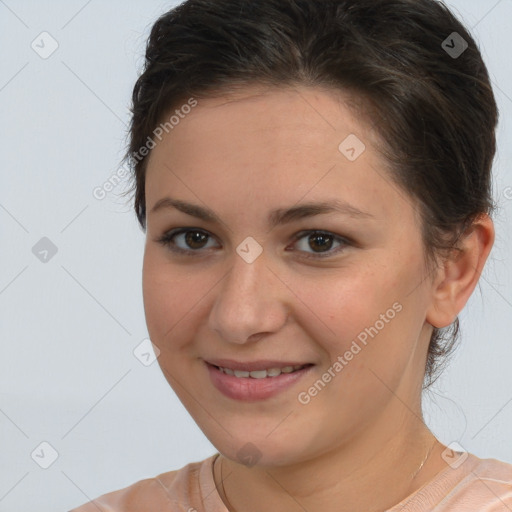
[68,375]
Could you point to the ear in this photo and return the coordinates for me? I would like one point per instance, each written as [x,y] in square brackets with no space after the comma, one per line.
[458,275]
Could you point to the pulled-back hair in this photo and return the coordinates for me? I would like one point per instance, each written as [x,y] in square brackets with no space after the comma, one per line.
[426,94]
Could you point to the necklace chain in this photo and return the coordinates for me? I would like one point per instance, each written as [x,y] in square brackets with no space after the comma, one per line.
[424,460]
[232,509]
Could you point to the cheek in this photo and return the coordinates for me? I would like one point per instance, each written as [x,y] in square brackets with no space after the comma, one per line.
[176,301]
[350,302]
[369,318]
[169,295]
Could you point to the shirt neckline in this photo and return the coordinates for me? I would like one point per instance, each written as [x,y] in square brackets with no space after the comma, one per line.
[428,495]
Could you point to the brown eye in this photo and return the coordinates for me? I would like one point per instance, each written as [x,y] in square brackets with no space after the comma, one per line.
[186,241]
[318,244]
[322,242]
[195,239]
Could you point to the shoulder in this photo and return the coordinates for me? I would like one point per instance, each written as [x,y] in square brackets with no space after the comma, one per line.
[488,484]
[494,469]
[168,491]
[144,494]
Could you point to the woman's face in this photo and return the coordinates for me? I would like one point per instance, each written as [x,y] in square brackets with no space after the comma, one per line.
[254,286]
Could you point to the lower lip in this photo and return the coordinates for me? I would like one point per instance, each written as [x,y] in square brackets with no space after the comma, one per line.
[249,389]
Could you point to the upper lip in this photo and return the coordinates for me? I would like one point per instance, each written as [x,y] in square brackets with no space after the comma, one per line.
[262,364]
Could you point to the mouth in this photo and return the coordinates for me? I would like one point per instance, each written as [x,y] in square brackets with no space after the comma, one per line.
[257,380]
[271,372]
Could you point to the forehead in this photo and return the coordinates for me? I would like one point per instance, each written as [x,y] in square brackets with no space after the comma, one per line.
[276,115]
[273,146]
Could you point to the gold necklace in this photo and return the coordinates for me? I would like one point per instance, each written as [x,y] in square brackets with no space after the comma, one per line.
[424,460]
[232,509]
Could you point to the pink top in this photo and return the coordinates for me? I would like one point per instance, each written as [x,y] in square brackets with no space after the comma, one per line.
[477,485]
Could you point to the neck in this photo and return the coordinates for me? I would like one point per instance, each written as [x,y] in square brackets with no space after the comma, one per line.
[371,473]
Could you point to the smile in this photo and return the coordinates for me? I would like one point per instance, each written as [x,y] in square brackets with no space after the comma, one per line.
[250,384]
[261,374]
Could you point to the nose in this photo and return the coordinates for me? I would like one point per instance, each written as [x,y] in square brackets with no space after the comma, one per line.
[251,302]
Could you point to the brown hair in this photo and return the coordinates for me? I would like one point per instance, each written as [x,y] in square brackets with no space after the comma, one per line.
[427,91]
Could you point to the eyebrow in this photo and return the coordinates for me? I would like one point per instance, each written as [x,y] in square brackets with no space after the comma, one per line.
[276,217]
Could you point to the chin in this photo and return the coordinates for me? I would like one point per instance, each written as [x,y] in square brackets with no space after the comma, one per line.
[261,451]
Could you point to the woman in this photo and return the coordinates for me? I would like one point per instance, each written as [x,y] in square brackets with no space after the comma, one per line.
[314,181]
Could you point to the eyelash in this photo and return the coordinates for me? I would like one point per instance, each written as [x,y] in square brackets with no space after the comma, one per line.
[167,241]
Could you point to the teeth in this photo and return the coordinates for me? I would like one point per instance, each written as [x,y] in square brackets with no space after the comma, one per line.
[258,374]
[261,374]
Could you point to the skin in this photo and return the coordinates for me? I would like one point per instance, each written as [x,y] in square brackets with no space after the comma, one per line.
[359,442]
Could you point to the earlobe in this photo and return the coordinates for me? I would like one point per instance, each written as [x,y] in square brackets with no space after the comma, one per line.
[459,274]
